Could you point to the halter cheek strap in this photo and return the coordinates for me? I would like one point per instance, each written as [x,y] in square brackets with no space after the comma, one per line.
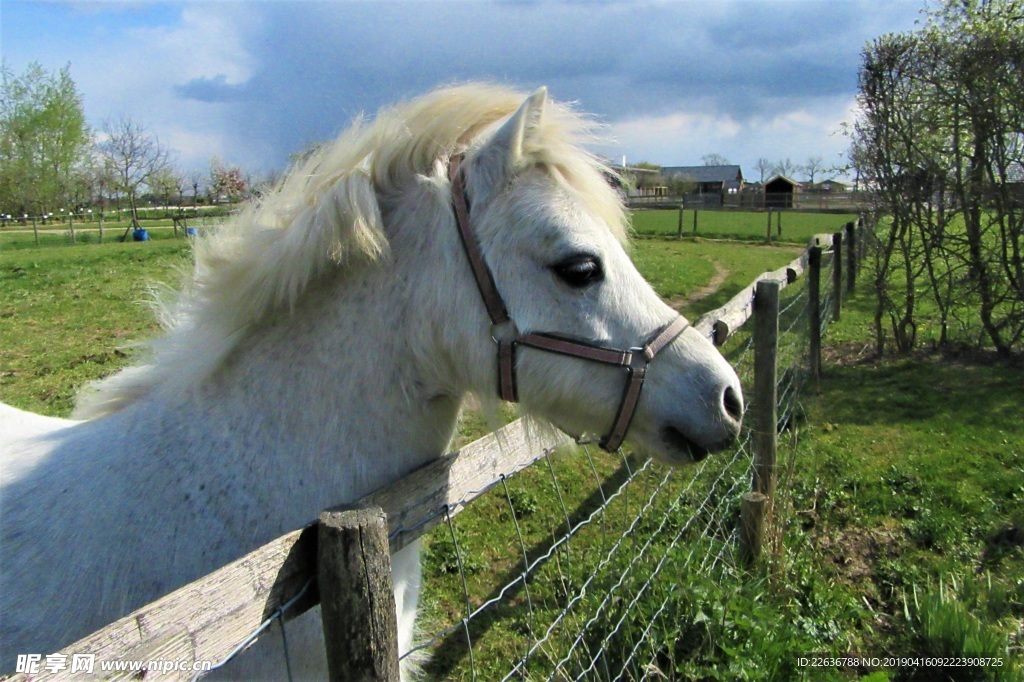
[507,336]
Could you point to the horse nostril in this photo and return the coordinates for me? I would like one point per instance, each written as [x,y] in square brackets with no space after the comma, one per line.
[733,403]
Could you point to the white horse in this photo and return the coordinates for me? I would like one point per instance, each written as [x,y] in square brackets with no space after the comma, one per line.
[322,349]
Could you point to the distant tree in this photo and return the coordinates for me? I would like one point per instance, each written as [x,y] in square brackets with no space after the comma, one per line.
[226,181]
[195,181]
[43,139]
[169,185]
[785,167]
[259,184]
[135,157]
[764,167]
[714,160]
[813,166]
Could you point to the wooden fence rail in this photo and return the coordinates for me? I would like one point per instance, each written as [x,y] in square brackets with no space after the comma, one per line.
[213,617]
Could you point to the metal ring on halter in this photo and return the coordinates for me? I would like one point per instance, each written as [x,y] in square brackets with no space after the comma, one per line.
[505,332]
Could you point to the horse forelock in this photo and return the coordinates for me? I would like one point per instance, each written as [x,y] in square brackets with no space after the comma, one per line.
[325,214]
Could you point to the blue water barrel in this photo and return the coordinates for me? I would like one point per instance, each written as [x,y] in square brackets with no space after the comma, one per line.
[140,235]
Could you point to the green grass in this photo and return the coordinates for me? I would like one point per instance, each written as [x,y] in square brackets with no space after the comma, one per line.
[678,268]
[797,227]
[67,316]
[910,472]
[12,239]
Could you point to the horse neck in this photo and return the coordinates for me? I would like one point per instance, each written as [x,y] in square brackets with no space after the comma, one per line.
[332,400]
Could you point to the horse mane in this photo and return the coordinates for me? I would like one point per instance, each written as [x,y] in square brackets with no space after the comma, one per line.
[324,215]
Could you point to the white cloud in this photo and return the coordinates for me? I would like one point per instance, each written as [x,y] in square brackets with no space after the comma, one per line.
[256,81]
[132,71]
[683,138]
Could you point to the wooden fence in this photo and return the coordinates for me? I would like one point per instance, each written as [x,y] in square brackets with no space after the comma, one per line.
[343,560]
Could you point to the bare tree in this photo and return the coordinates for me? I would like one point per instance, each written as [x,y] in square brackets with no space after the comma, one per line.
[813,166]
[195,181]
[785,167]
[764,167]
[714,160]
[134,155]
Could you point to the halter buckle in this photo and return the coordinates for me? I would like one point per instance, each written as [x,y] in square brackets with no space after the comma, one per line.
[639,358]
[505,332]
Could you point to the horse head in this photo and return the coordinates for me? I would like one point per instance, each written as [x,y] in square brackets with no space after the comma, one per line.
[576,330]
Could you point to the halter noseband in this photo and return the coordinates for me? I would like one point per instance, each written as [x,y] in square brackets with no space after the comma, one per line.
[507,336]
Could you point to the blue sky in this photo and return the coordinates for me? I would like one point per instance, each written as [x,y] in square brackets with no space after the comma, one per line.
[255,81]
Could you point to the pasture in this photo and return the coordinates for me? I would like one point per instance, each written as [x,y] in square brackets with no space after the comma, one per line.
[796,226]
[901,533]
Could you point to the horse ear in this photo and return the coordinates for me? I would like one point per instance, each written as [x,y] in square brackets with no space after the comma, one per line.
[503,154]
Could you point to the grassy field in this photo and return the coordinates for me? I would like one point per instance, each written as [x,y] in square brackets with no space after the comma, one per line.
[901,532]
[20,238]
[68,316]
[796,227]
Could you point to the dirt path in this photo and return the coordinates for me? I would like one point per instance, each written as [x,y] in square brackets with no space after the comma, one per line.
[711,287]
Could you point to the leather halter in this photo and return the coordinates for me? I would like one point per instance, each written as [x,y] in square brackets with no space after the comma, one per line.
[508,337]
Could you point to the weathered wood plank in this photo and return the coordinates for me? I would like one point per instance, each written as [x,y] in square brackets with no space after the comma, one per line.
[416,504]
[207,619]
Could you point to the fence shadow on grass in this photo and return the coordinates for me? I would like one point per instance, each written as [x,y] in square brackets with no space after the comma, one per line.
[451,653]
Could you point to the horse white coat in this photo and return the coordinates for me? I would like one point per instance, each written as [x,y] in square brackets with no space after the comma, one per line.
[321,350]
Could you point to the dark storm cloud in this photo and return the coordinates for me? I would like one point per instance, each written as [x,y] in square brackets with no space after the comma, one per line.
[212,90]
[316,65]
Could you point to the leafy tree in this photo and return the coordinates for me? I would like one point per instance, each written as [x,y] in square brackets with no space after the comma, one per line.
[43,139]
[940,134]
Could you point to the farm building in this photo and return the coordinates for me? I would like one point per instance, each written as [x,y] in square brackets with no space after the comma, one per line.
[779,191]
[827,187]
[638,181]
[709,179]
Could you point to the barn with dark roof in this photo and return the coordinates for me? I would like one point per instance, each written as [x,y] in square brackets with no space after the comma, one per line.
[709,179]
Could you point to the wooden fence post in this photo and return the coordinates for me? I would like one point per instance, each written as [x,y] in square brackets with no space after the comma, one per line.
[851,256]
[864,227]
[679,232]
[357,597]
[766,416]
[814,309]
[768,231]
[753,507]
[837,274]
[695,221]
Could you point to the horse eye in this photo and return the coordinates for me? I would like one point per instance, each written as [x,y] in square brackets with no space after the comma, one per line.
[579,271]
